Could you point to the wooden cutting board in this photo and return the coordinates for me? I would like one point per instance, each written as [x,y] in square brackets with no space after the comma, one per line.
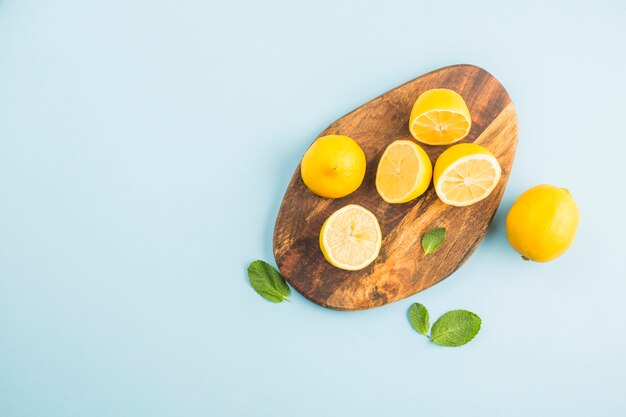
[402,269]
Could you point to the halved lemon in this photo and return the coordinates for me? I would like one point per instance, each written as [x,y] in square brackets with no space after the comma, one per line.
[350,238]
[439,117]
[465,174]
[404,172]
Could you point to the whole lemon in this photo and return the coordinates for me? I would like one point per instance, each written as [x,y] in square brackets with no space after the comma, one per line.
[542,223]
[333,166]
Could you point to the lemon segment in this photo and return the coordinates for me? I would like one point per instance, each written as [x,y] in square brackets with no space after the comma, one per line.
[404,172]
[466,174]
[439,117]
[542,223]
[350,238]
[333,166]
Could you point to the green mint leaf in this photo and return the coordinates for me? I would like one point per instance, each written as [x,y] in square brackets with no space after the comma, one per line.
[418,316]
[455,328]
[268,282]
[433,239]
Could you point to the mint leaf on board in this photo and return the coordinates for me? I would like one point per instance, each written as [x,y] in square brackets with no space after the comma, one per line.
[418,316]
[433,239]
[268,282]
[455,328]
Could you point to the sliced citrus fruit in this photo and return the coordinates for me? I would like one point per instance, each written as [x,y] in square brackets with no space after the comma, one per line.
[350,238]
[439,117]
[404,172]
[465,174]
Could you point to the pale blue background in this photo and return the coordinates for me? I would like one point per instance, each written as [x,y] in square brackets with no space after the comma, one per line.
[144,149]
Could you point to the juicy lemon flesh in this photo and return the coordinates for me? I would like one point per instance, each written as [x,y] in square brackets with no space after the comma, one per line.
[404,172]
[350,238]
[440,127]
[466,174]
[333,166]
[440,117]
[542,223]
[468,180]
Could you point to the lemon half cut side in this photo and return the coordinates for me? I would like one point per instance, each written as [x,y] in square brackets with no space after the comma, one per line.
[350,238]
[404,172]
[466,174]
[439,117]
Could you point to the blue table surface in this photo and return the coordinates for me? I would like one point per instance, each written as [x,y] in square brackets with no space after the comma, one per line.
[144,150]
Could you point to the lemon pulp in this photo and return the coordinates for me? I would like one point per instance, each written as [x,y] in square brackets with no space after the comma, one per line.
[350,238]
[404,172]
[439,117]
[466,174]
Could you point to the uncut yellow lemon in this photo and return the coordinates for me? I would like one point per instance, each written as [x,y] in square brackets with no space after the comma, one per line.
[404,172]
[333,166]
[439,117]
[350,238]
[465,174]
[542,223]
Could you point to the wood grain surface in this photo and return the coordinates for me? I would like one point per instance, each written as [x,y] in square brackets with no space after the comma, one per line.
[402,269]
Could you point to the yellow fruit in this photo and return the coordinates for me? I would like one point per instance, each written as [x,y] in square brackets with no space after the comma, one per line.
[440,117]
[466,174]
[350,238]
[542,223]
[404,172]
[333,166]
